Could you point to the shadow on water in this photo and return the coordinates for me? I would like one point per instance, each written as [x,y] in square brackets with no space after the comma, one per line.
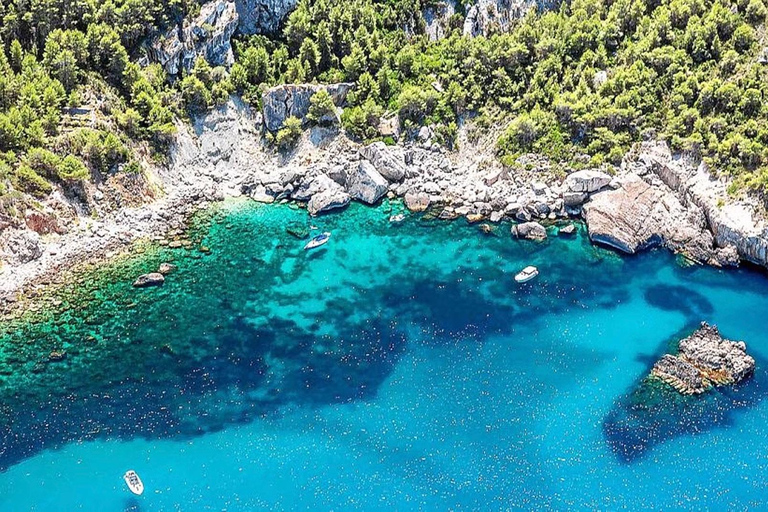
[681,299]
[652,412]
[240,332]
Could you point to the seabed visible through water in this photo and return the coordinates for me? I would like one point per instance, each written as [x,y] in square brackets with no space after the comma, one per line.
[398,367]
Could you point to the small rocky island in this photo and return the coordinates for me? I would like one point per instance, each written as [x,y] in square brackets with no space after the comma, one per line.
[705,359]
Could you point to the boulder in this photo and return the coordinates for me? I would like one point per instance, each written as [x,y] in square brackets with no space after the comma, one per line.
[151,279]
[574,199]
[417,202]
[206,35]
[262,16]
[570,229]
[529,231]
[366,184]
[705,359]
[328,199]
[586,181]
[386,162]
[292,100]
[22,246]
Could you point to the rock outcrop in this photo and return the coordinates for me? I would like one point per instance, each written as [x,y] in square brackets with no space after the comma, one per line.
[488,17]
[147,280]
[705,360]
[284,101]
[329,196]
[366,184]
[529,231]
[207,35]
[587,181]
[262,16]
[416,202]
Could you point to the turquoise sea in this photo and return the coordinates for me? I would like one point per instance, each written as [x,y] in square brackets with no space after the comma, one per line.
[399,367]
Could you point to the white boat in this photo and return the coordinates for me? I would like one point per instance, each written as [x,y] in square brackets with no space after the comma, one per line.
[134,482]
[526,274]
[318,240]
[397,218]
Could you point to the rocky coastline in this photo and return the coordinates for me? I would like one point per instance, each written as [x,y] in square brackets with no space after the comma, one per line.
[654,199]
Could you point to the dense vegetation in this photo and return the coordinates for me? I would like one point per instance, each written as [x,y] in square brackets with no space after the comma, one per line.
[588,79]
[63,54]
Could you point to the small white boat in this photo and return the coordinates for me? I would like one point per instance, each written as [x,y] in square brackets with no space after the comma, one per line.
[318,240]
[526,274]
[134,482]
[397,218]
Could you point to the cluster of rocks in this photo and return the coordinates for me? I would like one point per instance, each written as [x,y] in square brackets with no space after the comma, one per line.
[486,17]
[705,359]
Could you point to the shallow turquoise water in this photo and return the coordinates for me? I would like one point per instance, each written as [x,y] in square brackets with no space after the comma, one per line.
[397,368]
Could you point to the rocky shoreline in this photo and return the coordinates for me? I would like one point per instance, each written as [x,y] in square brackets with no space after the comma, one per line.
[655,198]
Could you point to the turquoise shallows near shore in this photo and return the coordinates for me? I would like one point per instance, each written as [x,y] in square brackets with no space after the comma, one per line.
[399,367]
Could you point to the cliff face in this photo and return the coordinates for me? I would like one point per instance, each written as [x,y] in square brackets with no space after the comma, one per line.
[207,35]
[262,16]
[493,16]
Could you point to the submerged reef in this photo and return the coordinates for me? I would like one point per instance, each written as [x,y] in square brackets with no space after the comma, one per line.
[691,392]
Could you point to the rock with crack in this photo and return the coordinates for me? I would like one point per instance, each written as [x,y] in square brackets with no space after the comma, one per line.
[21,245]
[206,35]
[587,181]
[292,100]
[366,184]
[386,160]
[416,201]
[326,195]
[705,359]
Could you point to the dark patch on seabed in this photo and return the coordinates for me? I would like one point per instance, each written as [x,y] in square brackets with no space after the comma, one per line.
[653,413]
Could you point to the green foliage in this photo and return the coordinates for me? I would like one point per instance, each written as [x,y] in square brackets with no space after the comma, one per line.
[322,110]
[27,180]
[362,122]
[289,134]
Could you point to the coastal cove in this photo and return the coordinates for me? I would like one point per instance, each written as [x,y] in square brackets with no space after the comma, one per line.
[398,367]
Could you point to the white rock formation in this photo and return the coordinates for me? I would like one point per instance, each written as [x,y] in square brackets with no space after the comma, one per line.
[263,16]
[487,17]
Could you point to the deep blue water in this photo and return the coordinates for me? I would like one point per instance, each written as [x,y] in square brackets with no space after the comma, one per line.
[399,367]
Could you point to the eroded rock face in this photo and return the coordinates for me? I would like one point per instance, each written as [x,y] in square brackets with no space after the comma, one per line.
[262,16]
[637,215]
[366,184]
[529,231]
[705,360]
[207,35]
[487,17]
[292,100]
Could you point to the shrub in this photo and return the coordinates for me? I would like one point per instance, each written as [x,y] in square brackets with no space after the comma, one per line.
[29,181]
[322,110]
[289,134]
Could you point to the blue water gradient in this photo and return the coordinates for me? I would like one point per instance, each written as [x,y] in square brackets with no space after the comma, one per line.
[399,367]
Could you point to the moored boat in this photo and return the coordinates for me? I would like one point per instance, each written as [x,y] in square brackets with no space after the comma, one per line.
[527,274]
[318,240]
[134,482]
[397,218]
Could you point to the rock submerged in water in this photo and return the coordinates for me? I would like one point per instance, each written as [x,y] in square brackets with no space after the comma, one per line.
[529,231]
[705,360]
[147,280]
[166,268]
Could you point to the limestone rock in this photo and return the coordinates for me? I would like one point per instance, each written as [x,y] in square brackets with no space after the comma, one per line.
[389,165]
[705,359]
[262,16]
[586,181]
[166,268]
[207,35]
[292,100]
[530,231]
[151,279]
[638,216]
[487,17]
[417,202]
[329,199]
[366,184]
[22,246]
